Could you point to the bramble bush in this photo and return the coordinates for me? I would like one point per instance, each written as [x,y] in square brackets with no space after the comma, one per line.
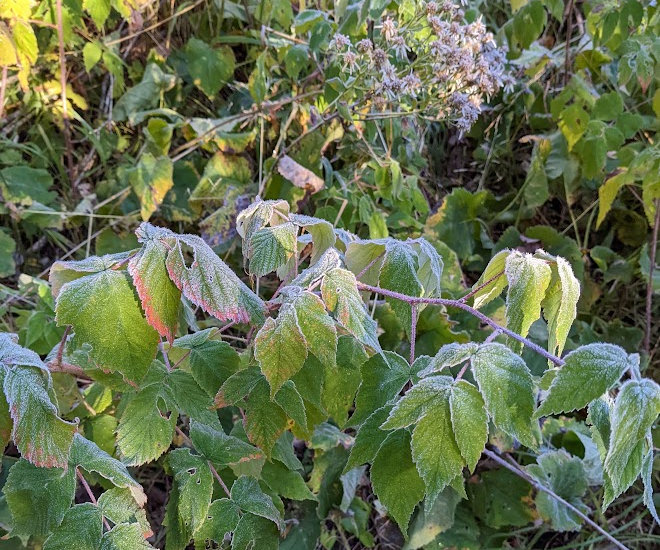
[343,274]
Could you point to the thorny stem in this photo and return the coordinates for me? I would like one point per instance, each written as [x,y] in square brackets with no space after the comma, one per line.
[539,487]
[91,496]
[649,285]
[461,305]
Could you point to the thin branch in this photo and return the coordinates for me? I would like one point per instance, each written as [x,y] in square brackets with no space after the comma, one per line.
[368,266]
[91,496]
[481,287]
[65,112]
[67,368]
[539,487]
[413,331]
[649,285]
[161,347]
[3,87]
[460,305]
[216,475]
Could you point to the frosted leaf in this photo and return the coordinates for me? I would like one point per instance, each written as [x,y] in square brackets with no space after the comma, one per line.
[63,272]
[449,355]
[322,232]
[560,304]
[272,247]
[328,261]
[495,288]
[469,420]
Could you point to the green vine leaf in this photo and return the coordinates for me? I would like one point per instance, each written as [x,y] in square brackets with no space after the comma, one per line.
[147,425]
[528,279]
[508,391]
[248,496]
[449,355]
[588,372]
[42,437]
[209,283]
[395,480]
[635,409]
[38,498]
[190,497]
[254,531]
[119,506]
[341,297]
[470,421]
[368,439]
[272,247]
[81,529]
[125,536]
[280,348]
[321,232]
[159,296]
[494,288]
[221,518]
[106,299]
[220,448]
[264,419]
[560,304]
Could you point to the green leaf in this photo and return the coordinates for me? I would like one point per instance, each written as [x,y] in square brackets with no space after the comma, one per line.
[89,456]
[7,249]
[92,53]
[93,303]
[221,518]
[434,448]
[399,273]
[38,498]
[25,185]
[494,288]
[151,179]
[280,348]
[219,448]
[212,361]
[147,425]
[271,247]
[12,354]
[316,326]
[383,377]
[588,372]
[237,386]
[395,480]
[508,390]
[41,436]
[144,95]
[368,439]
[341,383]
[321,231]
[119,506]
[431,521]
[248,496]
[635,410]
[285,482]
[209,68]
[608,192]
[254,532]
[160,298]
[292,404]
[81,529]
[209,283]
[190,497]
[608,106]
[560,304]
[565,476]
[500,498]
[340,294]
[264,420]
[295,60]
[449,355]
[125,536]
[647,473]
[528,279]
[573,122]
[64,272]
[418,401]
[99,10]
[469,419]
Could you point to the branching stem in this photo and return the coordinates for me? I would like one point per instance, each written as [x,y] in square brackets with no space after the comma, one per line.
[458,304]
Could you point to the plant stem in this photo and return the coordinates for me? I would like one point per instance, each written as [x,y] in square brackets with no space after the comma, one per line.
[649,285]
[539,487]
[481,286]
[91,496]
[216,475]
[461,305]
[413,331]
[65,113]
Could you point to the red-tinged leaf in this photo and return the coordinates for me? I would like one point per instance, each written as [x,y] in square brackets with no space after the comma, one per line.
[160,297]
[209,283]
[41,436]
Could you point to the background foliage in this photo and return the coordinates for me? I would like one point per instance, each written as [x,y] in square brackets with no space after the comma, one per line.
[180,113]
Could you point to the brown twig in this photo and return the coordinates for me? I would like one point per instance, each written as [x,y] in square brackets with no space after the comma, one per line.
[65,112]
[216,475]
[3,87]
[649,285]
[539,487]
[461,305]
